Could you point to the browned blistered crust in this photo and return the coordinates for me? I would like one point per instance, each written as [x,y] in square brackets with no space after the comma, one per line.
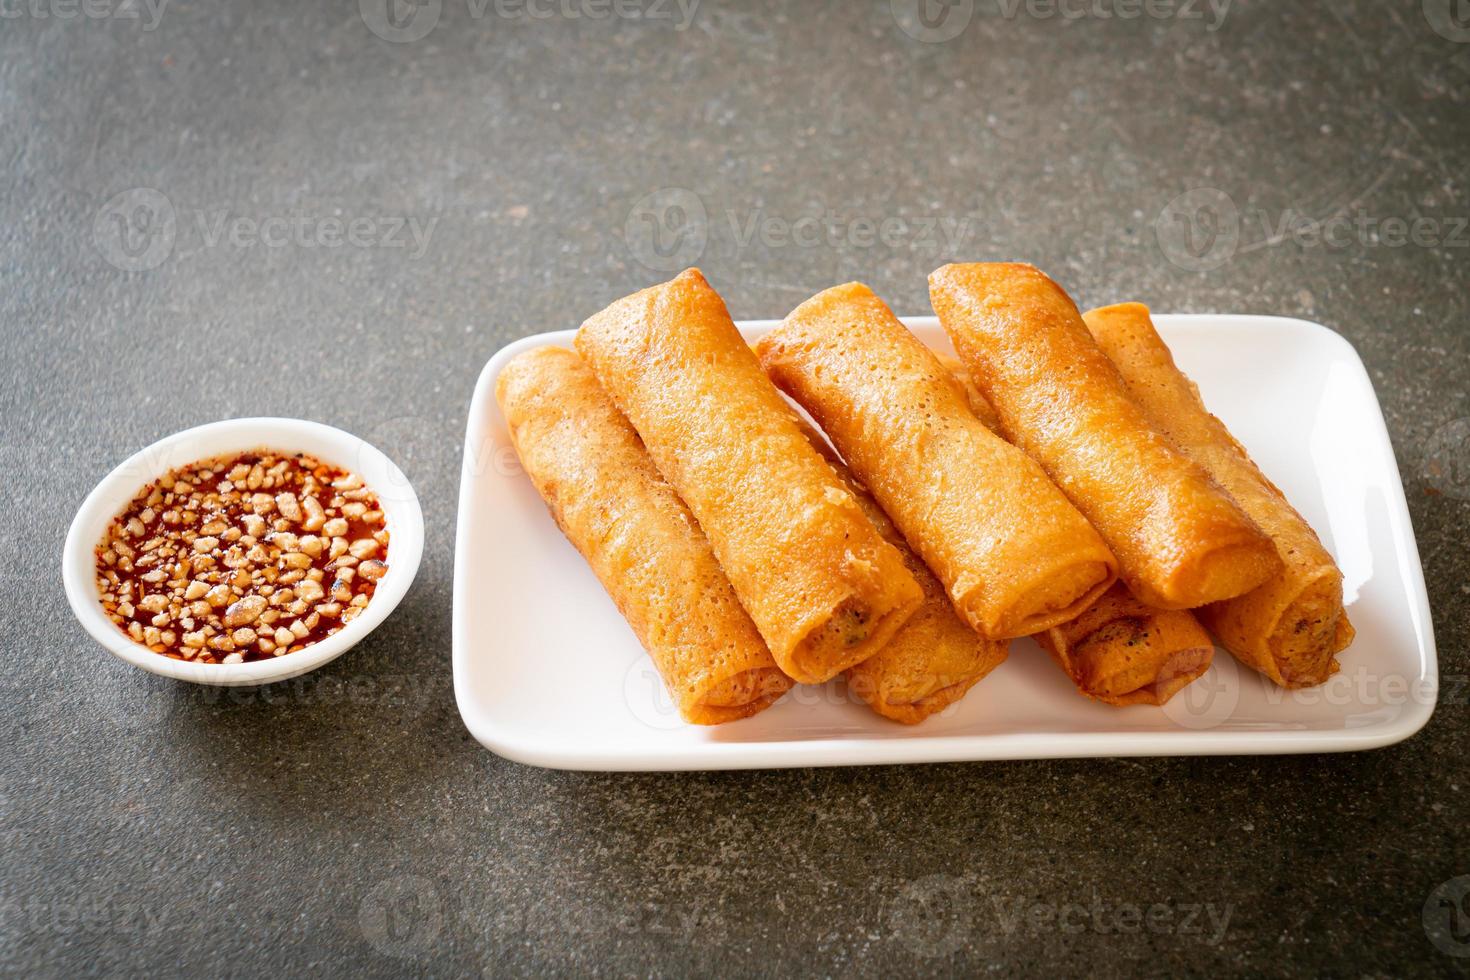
[823,587]
[638,537]
[1179,539]
[1291,627]
[1014,554]
[935,658]
[1120,650]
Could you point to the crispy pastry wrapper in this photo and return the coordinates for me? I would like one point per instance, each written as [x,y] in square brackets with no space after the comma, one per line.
[1179,539]
[1291,627]
[640,540]
[823,587]
[935,658]
[1015,556]
[1120,651]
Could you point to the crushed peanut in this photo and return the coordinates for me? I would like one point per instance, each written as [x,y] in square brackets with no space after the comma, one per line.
[242,558]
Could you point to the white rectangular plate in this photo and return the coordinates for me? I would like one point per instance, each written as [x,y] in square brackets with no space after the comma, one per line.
[546,671]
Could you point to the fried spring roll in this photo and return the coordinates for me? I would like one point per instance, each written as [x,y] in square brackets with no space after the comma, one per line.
[823,587]
[641,541]
[1015,556]
[1291,627]
[982,408]
[935,658]
[1120,650]
[1179,539]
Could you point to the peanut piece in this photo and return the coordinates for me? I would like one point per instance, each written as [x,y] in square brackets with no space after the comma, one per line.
[245,611]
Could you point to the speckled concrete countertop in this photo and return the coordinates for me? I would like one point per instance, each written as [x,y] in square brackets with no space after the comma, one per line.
[339,211]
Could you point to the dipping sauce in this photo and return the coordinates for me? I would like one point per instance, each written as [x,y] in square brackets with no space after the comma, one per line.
[243,557]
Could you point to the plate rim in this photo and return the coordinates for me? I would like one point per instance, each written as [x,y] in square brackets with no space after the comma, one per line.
[990,747]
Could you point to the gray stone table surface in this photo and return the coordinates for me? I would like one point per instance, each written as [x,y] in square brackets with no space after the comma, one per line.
[341,210]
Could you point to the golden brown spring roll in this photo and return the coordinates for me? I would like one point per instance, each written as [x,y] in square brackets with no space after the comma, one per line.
[823,587]
[1291,627]
[935,658]
[1015,556]
[1122,651]
[641,541]
[982,408]
[1119,651]
[1179,539]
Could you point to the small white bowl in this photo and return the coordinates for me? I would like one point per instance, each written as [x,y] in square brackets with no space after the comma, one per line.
[404,520]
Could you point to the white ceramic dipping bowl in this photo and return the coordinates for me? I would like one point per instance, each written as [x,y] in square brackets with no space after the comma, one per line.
[400,505]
